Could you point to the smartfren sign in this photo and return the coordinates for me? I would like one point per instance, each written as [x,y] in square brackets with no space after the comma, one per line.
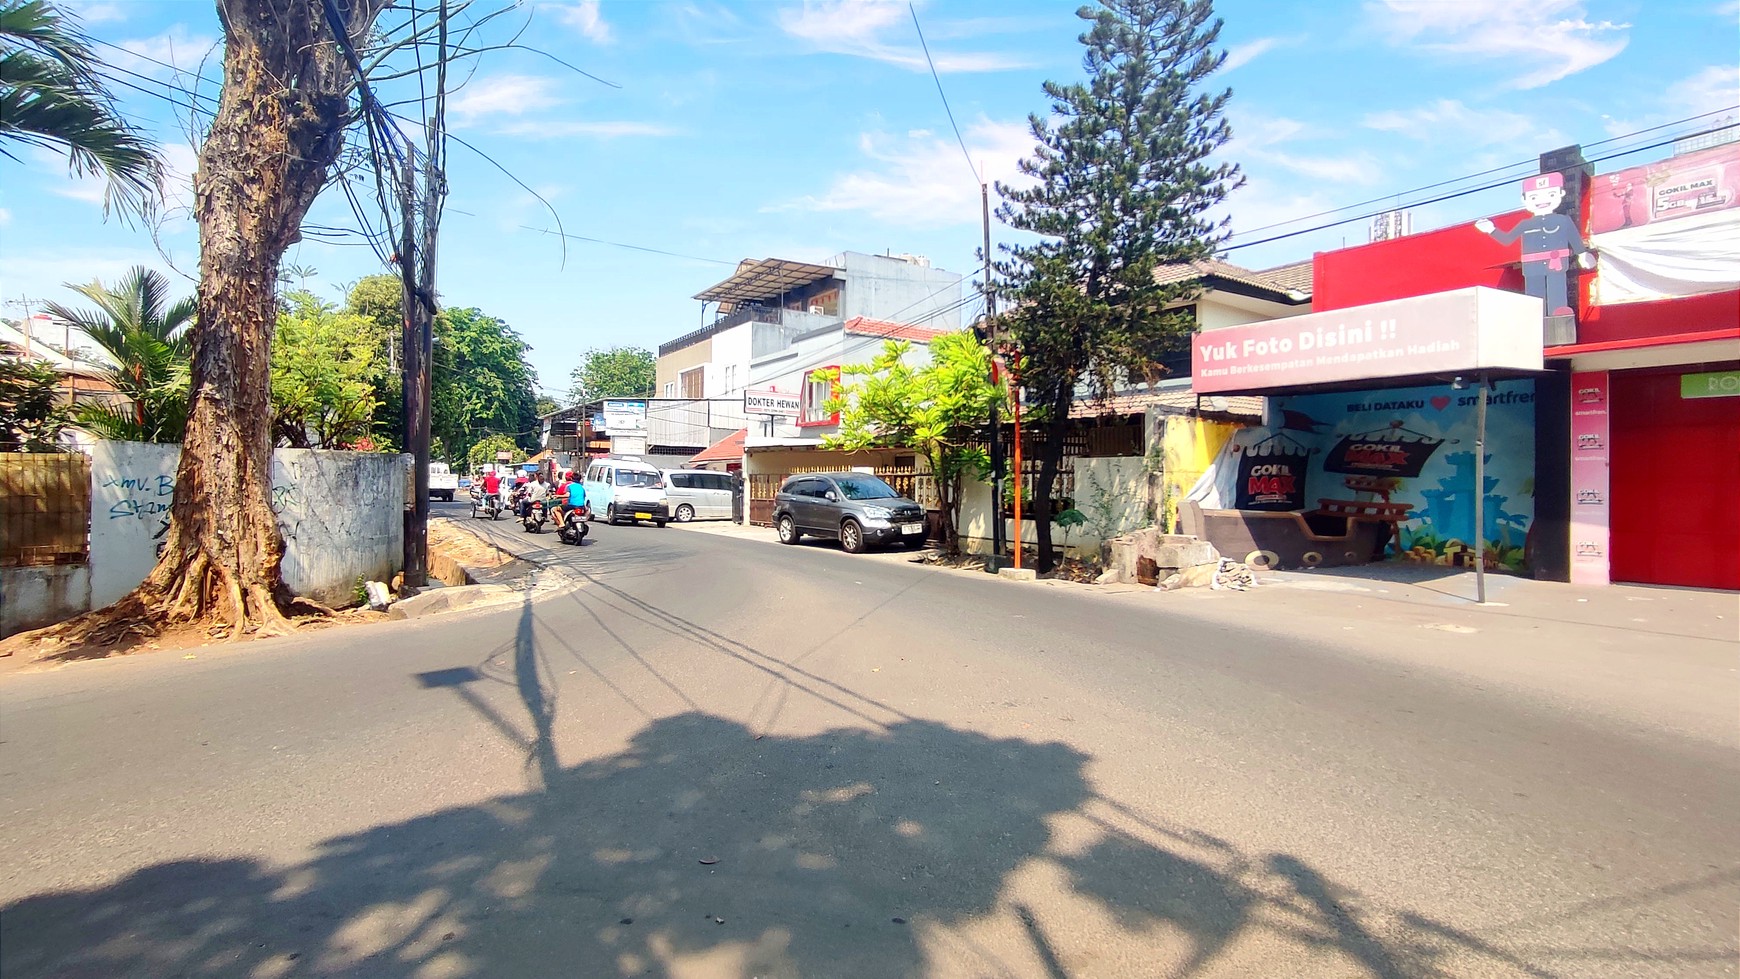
[1446,332]
[766,401]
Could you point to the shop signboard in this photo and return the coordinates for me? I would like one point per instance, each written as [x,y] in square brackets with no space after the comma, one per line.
[1389,451]
[767,401]
[625,417]
[1667,229]
[1717,384]
[1272,474]
[1590,478]
[1461,331]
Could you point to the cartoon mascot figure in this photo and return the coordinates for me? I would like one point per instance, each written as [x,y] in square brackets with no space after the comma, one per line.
[1549,241]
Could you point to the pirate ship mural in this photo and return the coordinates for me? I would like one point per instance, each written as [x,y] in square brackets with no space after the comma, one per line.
[1348,478]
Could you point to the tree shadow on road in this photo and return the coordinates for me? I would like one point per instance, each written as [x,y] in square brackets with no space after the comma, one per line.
[706,848]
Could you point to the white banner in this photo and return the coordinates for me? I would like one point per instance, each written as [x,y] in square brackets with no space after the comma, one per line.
[625,417]
[1687,256]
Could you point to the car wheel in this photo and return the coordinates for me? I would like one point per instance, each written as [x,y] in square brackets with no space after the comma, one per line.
[788,532]
[685,513]
[851,537]
[659,523]
[610,515]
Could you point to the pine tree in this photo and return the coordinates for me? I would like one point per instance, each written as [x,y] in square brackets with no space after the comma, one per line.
[1125,180]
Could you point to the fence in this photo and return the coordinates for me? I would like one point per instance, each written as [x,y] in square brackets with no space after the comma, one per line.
[45,506]
[45,501]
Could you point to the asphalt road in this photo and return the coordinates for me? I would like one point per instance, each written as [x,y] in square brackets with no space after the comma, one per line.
[719,757]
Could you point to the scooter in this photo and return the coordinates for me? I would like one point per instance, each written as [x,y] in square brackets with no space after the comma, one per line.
[535,516]
[574,525]
[486,505]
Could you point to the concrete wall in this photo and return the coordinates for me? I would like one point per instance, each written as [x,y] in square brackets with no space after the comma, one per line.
[1112,493]
[342,519]
[894,289]
[31,598]
[341,513]
[667,368]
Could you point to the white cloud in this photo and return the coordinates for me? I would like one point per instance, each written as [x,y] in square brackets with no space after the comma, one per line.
[584,16]
[502,95]
[602,129]
[1548,39]
[1351,168]
[1240,55]
[41,272]
[1705,91]
[922,181]
[860,27]
[96,11]
[177,51]
[5,217]
[1452,122]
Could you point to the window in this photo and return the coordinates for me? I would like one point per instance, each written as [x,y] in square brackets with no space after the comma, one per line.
[860,486]
[683,481]
[819,385]
[670,389]
[718,481]
[693,381]
[636,477]
[730,378]
[609,476]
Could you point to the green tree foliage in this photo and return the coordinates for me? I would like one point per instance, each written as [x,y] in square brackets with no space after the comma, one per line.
[324,376]
[482,383]
[51,95]
[616,372]
[1123,181]
[483,453]
[148,338]
[546,406]
[31,413]
[940,410]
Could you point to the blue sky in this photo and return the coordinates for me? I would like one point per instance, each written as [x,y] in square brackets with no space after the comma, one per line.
[799,130]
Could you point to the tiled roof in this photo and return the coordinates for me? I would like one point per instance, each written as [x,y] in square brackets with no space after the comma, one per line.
[1282,281]
[1178,400]
[727,449]
[1295,275]
[865,326]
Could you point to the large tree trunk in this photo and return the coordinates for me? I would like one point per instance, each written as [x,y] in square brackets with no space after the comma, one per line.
[1050,463]
[278,131]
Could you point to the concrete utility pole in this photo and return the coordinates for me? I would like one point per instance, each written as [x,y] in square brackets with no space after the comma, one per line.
[996,421]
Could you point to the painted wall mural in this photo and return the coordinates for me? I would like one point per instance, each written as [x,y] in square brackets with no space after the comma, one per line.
[1403,454]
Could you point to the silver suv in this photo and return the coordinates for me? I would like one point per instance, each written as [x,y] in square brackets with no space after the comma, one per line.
[857,508]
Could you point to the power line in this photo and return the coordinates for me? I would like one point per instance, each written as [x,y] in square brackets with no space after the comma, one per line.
[945,99]
[623,244]
[1472,190]
[1460,179]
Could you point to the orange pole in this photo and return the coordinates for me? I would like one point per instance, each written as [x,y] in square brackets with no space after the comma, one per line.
[1018,474]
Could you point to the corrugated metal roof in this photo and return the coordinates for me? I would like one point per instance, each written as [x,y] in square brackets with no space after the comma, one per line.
[1179,400]
[766,279]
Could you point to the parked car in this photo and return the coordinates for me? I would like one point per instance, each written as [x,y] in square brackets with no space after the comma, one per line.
[698,494]
[858,509]
[623,489]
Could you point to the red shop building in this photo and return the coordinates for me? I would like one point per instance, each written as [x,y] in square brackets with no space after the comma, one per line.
[1636,406]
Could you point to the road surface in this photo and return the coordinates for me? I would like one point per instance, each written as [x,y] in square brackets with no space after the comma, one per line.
[720,757]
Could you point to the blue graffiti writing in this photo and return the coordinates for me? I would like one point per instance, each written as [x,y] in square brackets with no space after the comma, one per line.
[137,508]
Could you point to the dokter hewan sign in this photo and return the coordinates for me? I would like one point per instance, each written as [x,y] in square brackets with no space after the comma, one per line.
[1445,332]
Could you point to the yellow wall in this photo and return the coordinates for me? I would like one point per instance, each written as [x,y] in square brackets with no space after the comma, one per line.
[1187,447]
[677,361]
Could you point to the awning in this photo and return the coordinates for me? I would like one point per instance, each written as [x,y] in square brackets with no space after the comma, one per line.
[1462,331]
[766,279]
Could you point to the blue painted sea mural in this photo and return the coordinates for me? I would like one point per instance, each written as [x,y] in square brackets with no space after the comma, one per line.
[1408,453]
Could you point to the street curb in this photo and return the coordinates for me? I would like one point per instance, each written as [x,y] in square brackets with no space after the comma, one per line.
[452,599]
[527,555]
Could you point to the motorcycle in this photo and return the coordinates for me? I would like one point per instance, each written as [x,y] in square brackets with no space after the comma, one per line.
[486,505]
[535,516]
[574,525]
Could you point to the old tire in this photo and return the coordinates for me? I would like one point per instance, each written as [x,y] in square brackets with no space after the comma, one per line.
[787,530]
[685,513]
[851,537]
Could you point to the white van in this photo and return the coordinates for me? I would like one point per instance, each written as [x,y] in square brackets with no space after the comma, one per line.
[621,489]
[698,494]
